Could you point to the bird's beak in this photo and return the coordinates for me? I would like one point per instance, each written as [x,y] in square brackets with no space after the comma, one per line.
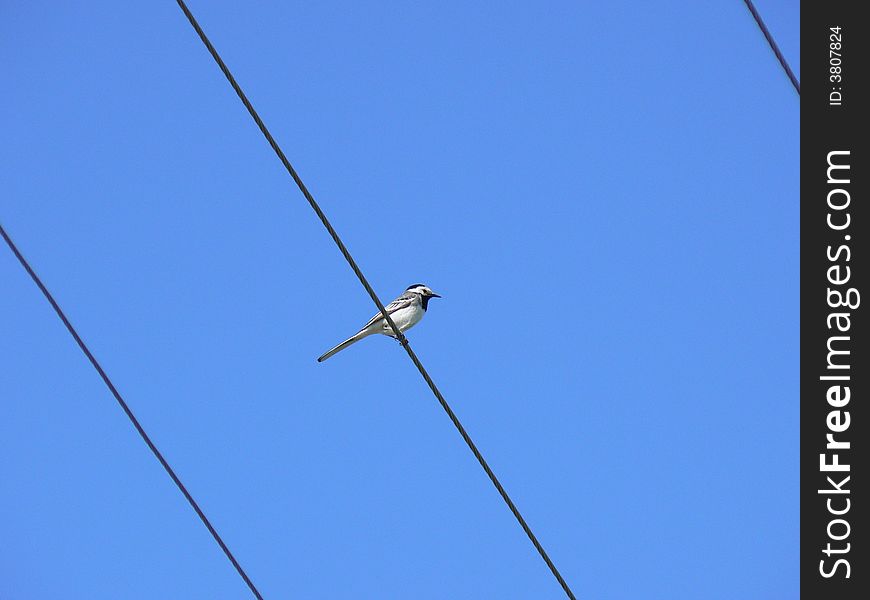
[434,295]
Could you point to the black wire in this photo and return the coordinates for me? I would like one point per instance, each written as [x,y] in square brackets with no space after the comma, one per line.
[773,46]
[128,412]
[373,295]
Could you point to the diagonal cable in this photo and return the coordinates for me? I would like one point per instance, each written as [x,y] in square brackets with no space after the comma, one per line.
[399,335]
[129,413]
[773,46]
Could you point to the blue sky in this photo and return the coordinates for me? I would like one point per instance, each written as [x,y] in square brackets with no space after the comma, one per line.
[606,195]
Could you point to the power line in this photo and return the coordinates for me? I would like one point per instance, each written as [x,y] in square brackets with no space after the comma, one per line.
[773,46]
[128,412]
[399,335]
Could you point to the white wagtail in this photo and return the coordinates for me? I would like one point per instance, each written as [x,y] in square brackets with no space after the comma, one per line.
[406,311]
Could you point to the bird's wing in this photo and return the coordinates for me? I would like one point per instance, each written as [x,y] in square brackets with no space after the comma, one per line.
[403,301]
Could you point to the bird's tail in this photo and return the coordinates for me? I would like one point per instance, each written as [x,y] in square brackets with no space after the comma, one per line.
[349,341]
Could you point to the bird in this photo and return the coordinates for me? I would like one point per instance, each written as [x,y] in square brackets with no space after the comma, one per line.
[406,311]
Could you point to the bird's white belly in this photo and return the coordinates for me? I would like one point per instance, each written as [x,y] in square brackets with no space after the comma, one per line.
[404,319]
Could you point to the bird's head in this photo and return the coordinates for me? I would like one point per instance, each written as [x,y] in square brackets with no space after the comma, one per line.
[423,290]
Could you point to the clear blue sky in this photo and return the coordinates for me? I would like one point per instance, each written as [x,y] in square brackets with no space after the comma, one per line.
[606,195]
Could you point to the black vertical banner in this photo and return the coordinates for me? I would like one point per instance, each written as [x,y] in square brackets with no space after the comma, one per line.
[835,373]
